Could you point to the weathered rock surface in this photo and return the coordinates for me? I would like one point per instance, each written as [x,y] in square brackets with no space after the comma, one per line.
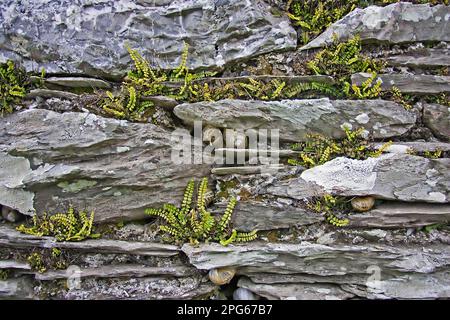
[396,23]
[423,57]
[255,215]
[408,83]
[402,215]
[119,271]
[78,82]
[14,239]
[16,289]
[391,176]
[314,271]
[89,38]
[297,118]
[437,118]
[113,167]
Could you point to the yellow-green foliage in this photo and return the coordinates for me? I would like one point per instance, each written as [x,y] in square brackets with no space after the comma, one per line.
[329,205]
[342,59]
[4,274]
[398,97]
[314,16]
[367,90]
[69,226]
[36,262]
[319,149]
[47,259]
[436,154]
[194,224]
[13,83]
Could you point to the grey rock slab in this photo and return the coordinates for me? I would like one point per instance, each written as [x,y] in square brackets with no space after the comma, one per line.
[402,215]
[89,38]
[78,82]
[296,291]
[16,288]
[437,118]
[255,215]
[320,260]
[248,170]
[117,271]
[14,239]
[114,167]
[46,93]
[396,23]
[408,83]
[423,57]
[405,147]
[296,118]
[12,264]
[391,176]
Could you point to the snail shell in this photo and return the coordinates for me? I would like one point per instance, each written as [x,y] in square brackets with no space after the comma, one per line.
[221,276]
[244,294]
[362,204]
[213,137]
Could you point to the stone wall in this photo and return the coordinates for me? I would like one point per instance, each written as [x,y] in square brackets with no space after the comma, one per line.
[55,151]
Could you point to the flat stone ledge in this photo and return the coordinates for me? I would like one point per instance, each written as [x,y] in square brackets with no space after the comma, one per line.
[14,239]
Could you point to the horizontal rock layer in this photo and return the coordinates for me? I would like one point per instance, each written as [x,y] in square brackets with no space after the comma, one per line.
[391,176]
[89,38]
[115,168]
[396,23]
[313,271]
[408,83]
[297,118]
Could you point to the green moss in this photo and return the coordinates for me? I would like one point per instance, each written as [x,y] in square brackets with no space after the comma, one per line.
[13,85]
[195,224]
[225,186]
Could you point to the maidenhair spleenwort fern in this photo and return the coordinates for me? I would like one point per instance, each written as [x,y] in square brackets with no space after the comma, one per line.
[69,226]
[194,223]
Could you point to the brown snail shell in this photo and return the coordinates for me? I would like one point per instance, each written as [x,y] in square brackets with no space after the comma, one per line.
[363,204]
[221,276]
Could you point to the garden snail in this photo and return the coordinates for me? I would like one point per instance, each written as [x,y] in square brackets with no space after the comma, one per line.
[221,276]
[362,204]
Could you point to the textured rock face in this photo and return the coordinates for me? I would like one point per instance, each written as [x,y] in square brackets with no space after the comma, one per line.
[437,118]
[114,167]
[88,37]
[396,23]
[398,214]
[407,83]
[393,176]
[297,118]
[253,215]
[312,271]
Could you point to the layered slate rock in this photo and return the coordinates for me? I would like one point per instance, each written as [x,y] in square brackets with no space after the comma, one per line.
[392,176]
[408,83]
[422,57]
[305,270]
[10,238]
[297,118]
[437,118]
[257,215]
[402,215]
[89,38]
[113,167]
[396,23]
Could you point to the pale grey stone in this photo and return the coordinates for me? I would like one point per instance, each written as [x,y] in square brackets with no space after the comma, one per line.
[89,37]
[437,118]
[396,23]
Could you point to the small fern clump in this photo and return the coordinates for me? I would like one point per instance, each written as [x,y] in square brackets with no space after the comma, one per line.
[69,226]
[194,224]
[329,205]
[367,90]
[319,149]
[13,84]
[315,16]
